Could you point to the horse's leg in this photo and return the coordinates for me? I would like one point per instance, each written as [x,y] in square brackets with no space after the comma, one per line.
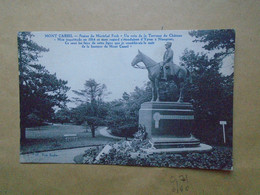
[178,86]
[181,85]
[157,89]
[153,91]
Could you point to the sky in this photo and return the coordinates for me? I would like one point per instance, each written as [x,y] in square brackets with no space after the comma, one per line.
[111,66]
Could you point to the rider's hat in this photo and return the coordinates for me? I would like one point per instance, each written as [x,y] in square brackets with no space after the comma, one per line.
[168,43]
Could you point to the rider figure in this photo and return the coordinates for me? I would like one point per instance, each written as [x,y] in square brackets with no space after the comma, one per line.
[167,59]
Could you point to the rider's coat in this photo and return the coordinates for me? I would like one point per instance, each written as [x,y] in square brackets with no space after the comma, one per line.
[168,61]
[168,57]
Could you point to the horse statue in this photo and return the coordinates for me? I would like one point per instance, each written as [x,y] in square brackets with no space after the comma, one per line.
[176,73]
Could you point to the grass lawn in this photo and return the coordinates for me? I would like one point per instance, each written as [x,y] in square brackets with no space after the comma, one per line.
[51,137]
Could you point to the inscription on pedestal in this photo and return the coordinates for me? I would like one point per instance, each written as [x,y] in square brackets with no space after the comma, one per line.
[157,117]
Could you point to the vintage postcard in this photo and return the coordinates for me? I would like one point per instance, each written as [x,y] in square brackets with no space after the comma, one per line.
[140,98]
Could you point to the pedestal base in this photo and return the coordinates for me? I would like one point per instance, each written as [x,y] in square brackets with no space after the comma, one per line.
[174,142]
[167,119]
[169,126]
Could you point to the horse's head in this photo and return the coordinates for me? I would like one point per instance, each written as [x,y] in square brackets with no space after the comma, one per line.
[136,60]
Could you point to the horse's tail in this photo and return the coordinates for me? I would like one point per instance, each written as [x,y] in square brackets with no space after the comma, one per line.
[189,76]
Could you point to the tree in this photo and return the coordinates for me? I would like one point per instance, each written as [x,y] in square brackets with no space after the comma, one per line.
[210,92]
[92,92]
[92,109]
[122,117]
[168,91]
[223,40]
[78,114]
[62,115]
[40,91]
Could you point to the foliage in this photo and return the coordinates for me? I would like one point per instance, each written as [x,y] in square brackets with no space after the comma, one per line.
[141,133]
[168,91]
[122,119]
[223,40]
[211,91]
[40,91]
[211,94]
[78,114]
[34,120]
[218,158]
[123,114]
[62,116]
[92,91]
[91,154]
[95,115]
[93,109]
[129,149]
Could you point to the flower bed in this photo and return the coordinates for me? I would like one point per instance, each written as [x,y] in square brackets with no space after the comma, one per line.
[218,158]
[131,153]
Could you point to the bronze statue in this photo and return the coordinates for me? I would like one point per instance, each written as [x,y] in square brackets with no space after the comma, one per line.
[172,72]
[167,59]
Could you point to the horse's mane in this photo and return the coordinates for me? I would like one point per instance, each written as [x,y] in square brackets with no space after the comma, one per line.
[150,61]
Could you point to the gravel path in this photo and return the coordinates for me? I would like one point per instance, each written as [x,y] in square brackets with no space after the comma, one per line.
[104,132]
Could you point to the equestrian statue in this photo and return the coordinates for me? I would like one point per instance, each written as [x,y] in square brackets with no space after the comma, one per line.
[163,71]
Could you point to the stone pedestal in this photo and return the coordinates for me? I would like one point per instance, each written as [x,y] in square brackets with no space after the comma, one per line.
[168,124]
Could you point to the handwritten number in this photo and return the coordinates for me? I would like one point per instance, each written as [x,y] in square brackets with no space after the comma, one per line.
[180,183]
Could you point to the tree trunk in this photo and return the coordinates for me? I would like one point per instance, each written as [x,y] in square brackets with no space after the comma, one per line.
[93,131]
